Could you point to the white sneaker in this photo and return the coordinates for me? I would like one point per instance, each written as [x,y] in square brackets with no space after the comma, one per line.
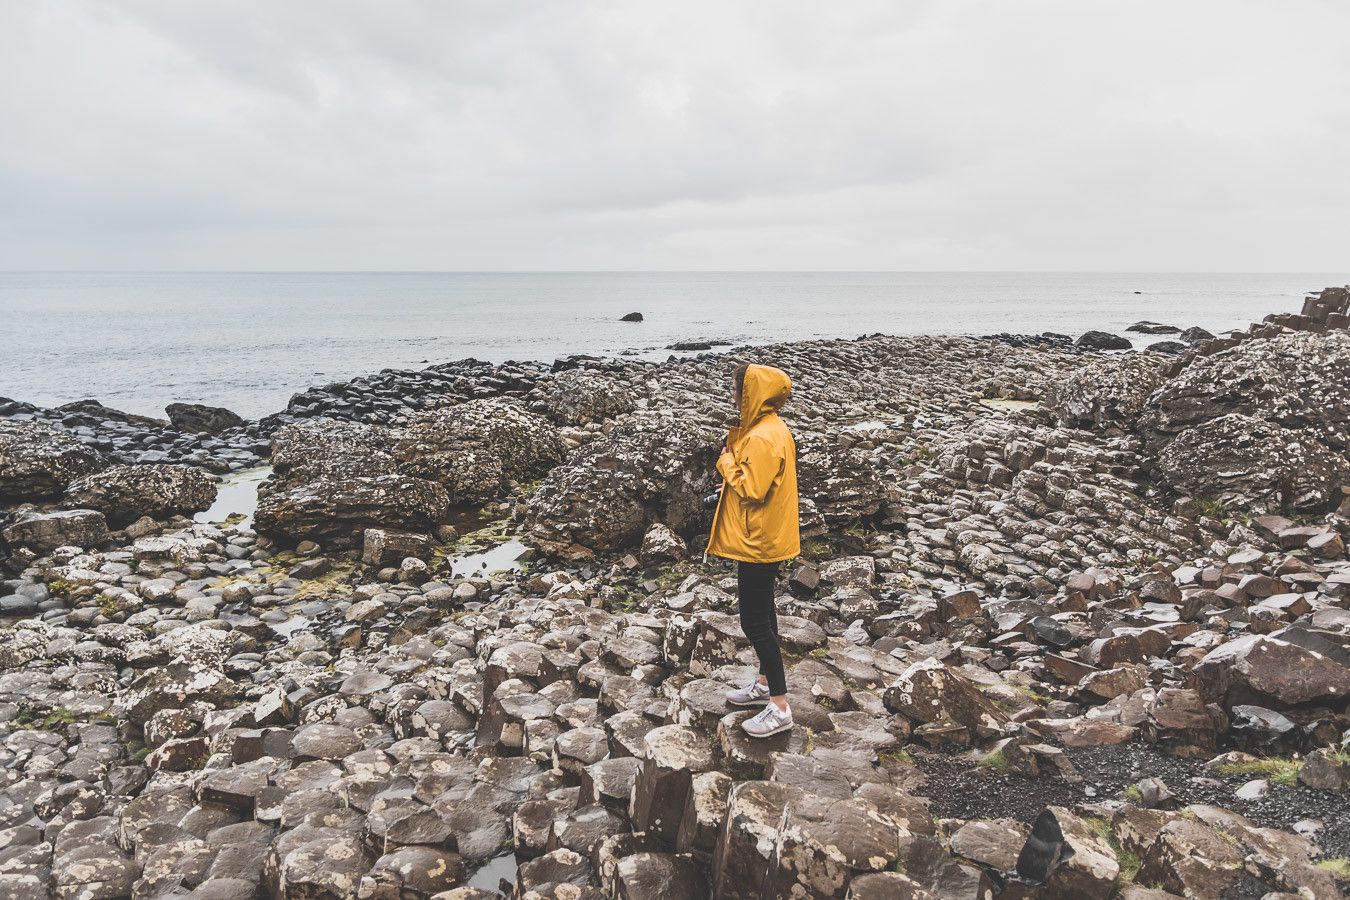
[755,693]
[770,720]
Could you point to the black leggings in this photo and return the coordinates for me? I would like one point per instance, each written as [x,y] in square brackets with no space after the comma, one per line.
[759,621]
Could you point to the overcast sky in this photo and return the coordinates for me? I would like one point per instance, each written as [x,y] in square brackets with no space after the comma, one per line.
[1199,135]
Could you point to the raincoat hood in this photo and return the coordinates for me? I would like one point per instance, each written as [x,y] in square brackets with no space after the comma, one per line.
[763,390]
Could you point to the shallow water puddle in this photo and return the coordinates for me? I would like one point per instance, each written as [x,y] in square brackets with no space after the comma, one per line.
[503,557]
[490,874]
[236,495]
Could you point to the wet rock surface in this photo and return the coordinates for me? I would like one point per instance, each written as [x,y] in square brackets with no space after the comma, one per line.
[1020,665]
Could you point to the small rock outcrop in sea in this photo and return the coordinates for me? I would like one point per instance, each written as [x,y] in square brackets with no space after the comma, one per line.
[1041,640]
[1102,340]
[632,317]
[126,493]
[196,418]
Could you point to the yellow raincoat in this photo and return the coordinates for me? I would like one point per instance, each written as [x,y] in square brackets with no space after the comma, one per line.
[756,518]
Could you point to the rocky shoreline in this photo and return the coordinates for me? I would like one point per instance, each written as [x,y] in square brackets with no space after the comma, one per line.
[1068,623]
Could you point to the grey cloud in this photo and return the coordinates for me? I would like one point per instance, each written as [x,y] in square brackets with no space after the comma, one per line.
[340,134]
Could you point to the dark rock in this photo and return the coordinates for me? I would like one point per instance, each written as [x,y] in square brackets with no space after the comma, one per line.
[196,418]
[383,547]
[1146,327]
[632,317]
[1102,340]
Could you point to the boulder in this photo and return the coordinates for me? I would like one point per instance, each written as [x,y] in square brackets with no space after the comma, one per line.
[43,532]
[37,462]
[329,448]
[660,544]
[579,397]
[842,482]
[125,493]
[608,493]
[1106,393]
[383,547]
[1102,340]
[1298,381]
[195,418]
[1246,463]
[337,511]
[478,450]
[1280,670]
[931,692]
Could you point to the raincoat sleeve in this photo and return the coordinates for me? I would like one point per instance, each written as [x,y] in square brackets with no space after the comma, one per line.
[751,471]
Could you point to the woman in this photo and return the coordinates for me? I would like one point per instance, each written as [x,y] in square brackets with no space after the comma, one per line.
[756,525]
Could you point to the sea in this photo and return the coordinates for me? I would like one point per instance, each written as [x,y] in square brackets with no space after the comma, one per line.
[249,340]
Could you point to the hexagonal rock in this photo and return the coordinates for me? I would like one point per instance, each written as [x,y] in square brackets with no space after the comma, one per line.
[704,811]
[238,787]
[583,828]
[700,704]
[175,686]
[316,862]
[578,748]
[610,782]
[749,838]
[93,872]
[1267,670]
[823,844]
[324,741]
[747,757]
[720,642]
[558,867]
[646,876]
[929,691]
[412,871]
[673,754]
[43,532]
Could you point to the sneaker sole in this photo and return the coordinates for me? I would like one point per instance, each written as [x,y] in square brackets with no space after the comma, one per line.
[747,703]
[779,730]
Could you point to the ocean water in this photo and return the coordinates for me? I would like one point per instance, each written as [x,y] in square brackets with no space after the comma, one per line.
[248,341]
